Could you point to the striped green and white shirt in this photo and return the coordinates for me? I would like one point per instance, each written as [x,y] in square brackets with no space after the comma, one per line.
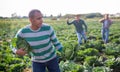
[42,42]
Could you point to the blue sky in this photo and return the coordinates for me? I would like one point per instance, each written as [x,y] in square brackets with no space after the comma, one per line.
[55,7]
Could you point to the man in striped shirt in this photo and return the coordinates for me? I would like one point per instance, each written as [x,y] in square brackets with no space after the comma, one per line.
[41,37]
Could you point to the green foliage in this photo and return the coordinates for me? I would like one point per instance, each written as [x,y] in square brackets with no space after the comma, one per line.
[2,67]
[82,54]
[112,49]
[68,50]
[90,60]
[99,69]
[97,44]
[15,61]
[17,68]
[8,59]
[91,52]
[109,61]
[70,66]
[116,65]
[67,36]
[21,43]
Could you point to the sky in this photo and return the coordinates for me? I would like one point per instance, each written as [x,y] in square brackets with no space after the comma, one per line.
[56,7]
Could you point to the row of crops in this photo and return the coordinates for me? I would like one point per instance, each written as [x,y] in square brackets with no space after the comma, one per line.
[93,56]
[9,62]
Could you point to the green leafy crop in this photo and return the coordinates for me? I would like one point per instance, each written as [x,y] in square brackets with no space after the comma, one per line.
[21,43]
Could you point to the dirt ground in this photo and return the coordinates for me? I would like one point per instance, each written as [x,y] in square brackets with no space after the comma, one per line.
[27,70]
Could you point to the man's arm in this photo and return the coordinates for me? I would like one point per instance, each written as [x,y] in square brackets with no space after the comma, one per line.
[85,26]
[101,20]
[20,51]
[69,23]
[54,40]
[111,22]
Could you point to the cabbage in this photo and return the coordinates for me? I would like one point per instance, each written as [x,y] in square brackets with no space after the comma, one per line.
[21,43]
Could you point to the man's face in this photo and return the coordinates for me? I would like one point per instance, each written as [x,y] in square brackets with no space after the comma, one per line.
[37,20]
[106,16]
[77,17]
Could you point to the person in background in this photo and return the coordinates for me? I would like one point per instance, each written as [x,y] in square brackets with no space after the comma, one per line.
[106,23]
[81,28]
[42,38]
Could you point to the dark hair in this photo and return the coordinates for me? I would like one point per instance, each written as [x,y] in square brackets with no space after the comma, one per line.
[77,15]
[32,12]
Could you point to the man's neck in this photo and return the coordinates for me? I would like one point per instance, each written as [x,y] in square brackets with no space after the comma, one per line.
[34,27]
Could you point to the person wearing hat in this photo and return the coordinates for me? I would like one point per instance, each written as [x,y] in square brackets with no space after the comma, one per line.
[81,28]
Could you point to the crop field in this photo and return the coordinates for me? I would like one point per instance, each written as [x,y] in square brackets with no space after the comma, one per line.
[93,56]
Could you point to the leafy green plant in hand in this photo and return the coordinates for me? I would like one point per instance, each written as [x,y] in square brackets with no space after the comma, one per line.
[21,43]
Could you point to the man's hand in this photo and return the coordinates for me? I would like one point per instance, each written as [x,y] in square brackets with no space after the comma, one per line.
[21,52]
[101,20]
[67,19]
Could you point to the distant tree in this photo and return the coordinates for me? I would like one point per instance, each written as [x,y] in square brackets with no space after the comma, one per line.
[92,15]
[25,17]
[1,17]
[51,16]
[14,15]
[59,16]
[68,16]
[44,16]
